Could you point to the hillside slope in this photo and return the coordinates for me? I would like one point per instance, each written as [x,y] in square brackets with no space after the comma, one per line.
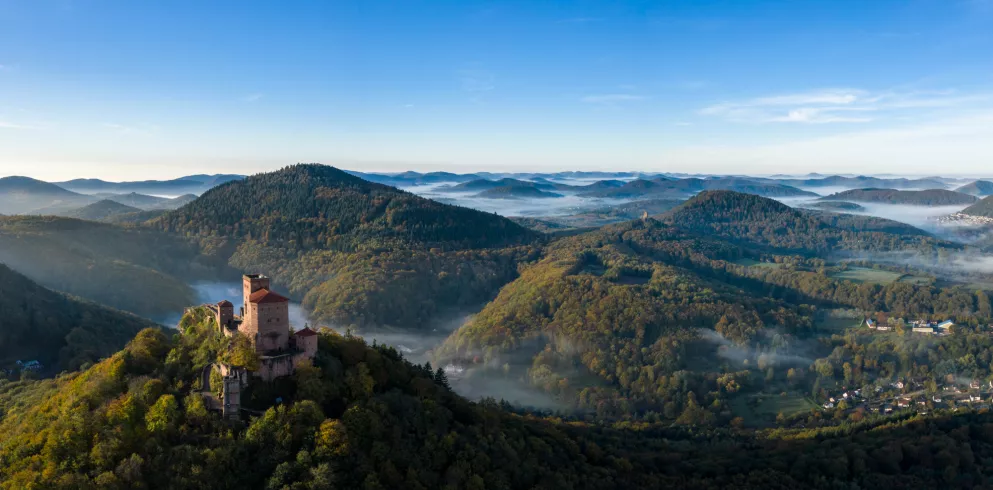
[104,210]
[745,218]
[363,417]
[982,208]
[320,207]
[601,317]
[930,197]
[137,270]
[979,188]
[21,195]
[60,331]
[356,252]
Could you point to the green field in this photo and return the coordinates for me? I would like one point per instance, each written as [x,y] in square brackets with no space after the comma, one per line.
[869,276]
[837,324]
[768,406]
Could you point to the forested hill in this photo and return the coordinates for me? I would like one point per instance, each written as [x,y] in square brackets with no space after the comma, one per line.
[60,331]
[363,418]
[930,197]
[605,321]
[308,207]
[133,269]
[979,188]
[766,222]
[981,208]
[20,195]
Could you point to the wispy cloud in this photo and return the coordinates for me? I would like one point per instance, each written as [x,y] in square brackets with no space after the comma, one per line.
[836,106]
[612,98]
[253,97]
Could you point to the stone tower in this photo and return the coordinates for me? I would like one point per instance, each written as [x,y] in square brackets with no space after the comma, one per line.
[231,394]
[266,316]
[251,283]
[225,315]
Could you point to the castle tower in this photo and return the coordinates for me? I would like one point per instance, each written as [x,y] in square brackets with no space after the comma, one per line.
[269,326]
[231,394]
[225,316]
[251,283]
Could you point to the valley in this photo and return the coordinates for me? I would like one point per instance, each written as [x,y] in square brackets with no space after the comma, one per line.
[715,309]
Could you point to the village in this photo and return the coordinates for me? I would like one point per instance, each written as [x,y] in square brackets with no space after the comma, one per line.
[917,326]
[914,395]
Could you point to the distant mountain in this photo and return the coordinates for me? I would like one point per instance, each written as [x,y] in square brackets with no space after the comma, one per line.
[319,206]
[930,197]
[979,188]
[61,331]
[340,244]
[982,208]
[194,184]
[133,199]
[841,206]
[137,270]
[746,218]
[21,195]
[486,184]
[176,202]
[410,179]
[684,187]
[864,182]
[601,216]
[517,192]
[100,211]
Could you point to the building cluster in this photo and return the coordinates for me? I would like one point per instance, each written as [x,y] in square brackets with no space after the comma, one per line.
[962,219]
[917,326]
[264,320]
[899,395]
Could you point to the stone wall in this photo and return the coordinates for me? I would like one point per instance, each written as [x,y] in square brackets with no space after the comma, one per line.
[272,367]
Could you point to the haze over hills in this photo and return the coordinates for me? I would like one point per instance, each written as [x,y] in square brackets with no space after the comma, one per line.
[983,208]
[685,187]
[356,252]
[193,184]
[621,307]
[100,211]
[930,197]
[62,332]
[137,270]
[979,188]
[675,324]
[22,195]
[839,206]
[861,182]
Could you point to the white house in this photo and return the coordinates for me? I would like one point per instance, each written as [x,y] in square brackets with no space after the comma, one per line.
[945,326]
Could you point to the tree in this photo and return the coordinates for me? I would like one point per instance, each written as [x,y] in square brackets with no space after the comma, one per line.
[163,415]
[441,378]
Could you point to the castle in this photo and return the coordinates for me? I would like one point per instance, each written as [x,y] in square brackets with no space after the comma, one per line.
[264,319]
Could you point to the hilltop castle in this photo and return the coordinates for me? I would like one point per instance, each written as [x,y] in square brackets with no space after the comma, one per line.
[264,319]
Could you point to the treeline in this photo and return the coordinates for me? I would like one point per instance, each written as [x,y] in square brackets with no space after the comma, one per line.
[308,207]
[134,269]
[363,417]
[61,332]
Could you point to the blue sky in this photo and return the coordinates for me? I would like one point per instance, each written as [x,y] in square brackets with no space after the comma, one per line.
[156,89]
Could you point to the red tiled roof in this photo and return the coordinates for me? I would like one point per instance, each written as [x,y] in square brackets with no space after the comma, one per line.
[225,303]
[266,296]
[306,332]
